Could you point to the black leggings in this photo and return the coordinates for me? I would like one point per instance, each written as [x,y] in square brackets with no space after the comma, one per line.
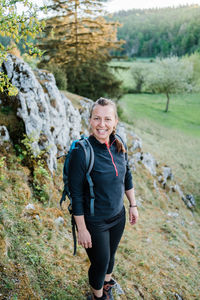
[105,240]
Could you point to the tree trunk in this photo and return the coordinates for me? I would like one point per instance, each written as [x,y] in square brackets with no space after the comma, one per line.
[167,105]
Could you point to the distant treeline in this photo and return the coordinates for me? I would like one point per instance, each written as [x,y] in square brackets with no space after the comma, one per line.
[159,32]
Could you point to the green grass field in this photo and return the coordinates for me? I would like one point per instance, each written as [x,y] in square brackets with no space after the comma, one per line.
[124,73]
[172,138]
[183,114]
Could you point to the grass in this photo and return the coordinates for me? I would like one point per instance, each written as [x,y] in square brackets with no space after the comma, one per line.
[183,114]
[173,138]
[123,72]
[156,258]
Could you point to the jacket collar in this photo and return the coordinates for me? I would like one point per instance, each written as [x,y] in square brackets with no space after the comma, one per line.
[96,142]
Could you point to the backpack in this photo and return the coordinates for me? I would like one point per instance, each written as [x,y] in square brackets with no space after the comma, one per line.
[89,158]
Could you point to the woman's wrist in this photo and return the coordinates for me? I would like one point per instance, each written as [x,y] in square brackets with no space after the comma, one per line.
[132,205]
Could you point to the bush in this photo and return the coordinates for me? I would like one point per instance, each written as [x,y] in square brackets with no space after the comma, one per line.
[60,76]
[139,73]
[194,59]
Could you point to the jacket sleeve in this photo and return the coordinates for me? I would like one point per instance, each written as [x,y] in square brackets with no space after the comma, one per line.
[128,177]
[77,167]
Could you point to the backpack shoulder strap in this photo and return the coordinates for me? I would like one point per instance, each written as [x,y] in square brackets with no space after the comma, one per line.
[89,156]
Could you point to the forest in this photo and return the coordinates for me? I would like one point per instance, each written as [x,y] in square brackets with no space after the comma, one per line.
[159,32]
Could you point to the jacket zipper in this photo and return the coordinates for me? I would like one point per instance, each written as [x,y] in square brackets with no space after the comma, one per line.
[112,159]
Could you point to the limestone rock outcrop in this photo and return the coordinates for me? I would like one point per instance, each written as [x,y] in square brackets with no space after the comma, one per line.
[49,117]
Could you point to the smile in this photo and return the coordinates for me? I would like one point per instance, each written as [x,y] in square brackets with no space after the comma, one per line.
[102,131]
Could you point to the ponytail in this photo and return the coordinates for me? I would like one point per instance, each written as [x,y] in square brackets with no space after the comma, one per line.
[119,144]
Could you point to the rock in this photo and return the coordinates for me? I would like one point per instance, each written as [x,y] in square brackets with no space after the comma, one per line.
[121,130]
[155,186]
[86,105]
[4,135]
[149,162]
[179,191]
[178,297]
[137,143]
[177,258]
[167,173]
[132,164]
[173,214]
[59,221]
[191,200]
[49,117]
[30,211]
[30,206]
[37,217]
[188,199]
[138,156]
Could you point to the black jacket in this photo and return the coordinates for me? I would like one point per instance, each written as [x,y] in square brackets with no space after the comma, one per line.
[111,177]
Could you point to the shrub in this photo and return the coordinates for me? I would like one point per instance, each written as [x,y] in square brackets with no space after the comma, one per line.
[60,76]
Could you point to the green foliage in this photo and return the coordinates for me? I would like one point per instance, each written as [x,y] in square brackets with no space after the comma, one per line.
[169,75]
[29,154]
[41,190]
[79,40]
[17,27]
[194,59]
[163,32]
[139,72]
[93,80]
[60,76]
[6,86]
[2,166]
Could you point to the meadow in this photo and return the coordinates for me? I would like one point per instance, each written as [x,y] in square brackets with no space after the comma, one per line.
[172,138]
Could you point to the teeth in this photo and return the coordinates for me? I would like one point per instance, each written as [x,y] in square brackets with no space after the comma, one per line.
[101,130]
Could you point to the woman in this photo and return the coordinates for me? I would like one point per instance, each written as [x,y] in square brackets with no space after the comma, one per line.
[100,234]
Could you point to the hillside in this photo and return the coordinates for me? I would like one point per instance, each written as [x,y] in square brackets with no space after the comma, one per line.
[159,32]
[157,258]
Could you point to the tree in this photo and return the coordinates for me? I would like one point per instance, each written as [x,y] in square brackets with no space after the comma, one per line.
[194,59]
[76,37]
[17,27]
[139,72]
[169,76]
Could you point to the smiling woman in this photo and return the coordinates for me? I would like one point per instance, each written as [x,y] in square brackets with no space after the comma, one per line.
[101,233]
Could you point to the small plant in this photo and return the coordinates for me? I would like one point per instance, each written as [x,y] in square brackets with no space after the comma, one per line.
[2,166]
[30,154]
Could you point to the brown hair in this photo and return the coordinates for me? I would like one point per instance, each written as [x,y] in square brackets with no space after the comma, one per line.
[103,102]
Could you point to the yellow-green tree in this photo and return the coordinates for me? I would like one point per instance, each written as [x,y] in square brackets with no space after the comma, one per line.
[18,22]
[79,39]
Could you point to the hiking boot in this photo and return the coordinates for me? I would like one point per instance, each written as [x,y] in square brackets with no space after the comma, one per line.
[107,288]
[93,297]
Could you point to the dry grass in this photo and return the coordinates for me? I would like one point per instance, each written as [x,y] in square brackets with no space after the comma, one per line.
[156,258]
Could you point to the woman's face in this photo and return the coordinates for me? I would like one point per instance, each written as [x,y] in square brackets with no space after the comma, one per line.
[102,122]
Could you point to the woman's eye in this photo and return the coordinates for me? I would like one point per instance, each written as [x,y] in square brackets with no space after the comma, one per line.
[108,119]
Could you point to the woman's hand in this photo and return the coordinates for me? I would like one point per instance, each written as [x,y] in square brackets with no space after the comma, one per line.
[133,215]
[84,238]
